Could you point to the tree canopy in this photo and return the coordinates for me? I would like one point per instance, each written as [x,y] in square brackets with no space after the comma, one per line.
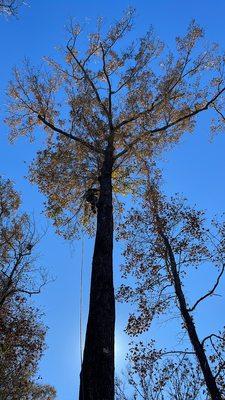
[166,240]
[18,239]
[138,97]
[22,342]
[22,333]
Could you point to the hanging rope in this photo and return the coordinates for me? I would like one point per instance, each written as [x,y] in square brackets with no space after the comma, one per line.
[81,310]
[81,298]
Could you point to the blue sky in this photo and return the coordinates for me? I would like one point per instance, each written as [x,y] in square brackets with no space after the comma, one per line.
[195,167]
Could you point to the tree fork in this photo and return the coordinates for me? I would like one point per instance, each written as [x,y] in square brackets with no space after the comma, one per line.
[97,373]
[190,326]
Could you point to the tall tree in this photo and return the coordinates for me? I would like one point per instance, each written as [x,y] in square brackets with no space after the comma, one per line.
[105,105]
[165,239]
[22,342]
[17,244]
[152,376]
[22,334]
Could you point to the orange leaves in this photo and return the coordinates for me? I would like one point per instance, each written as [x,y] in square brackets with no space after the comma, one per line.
[22,334]
[22,342]
[111,93]
[194,34]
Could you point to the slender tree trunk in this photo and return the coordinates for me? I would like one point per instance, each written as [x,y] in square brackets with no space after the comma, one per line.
[6,291]
[97,373]
[3,299]
[190,326]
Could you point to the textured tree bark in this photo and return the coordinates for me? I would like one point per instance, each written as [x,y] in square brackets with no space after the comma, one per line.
[97,373]
[190,326]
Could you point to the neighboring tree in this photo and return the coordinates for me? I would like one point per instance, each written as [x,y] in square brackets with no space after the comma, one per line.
[18,273]
[22,334]
[10,7]
[106,105]
[152,376]
[22,342]
[165,239]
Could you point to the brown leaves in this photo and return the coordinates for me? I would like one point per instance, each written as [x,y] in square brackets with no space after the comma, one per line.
[192,241]
[164,239]
[17,242]
[111,93]
[157,375]
[195,33]
[22,342]
[33,94]
[22,334]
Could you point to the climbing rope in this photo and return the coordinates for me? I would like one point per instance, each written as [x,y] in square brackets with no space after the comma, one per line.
[81,309]
[81,298]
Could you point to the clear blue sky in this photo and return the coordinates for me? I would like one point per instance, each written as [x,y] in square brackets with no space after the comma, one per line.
[195,167]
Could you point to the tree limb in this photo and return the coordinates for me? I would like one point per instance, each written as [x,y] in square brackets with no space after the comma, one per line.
[89,80]
[68,135]
[109,85]
[210,292]
[168,125]
[209,337]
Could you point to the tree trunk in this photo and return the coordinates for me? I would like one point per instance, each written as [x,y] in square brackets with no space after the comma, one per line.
[190,326]
[97,373]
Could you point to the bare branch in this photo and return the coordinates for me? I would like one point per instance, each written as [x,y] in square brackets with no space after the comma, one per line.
[68,135]
[210,292]
[90,81]
[109,84]
[209,337]
[172,352]
[219,112]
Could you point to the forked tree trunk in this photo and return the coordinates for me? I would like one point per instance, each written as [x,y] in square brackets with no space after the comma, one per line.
[97,373]
[190,326]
